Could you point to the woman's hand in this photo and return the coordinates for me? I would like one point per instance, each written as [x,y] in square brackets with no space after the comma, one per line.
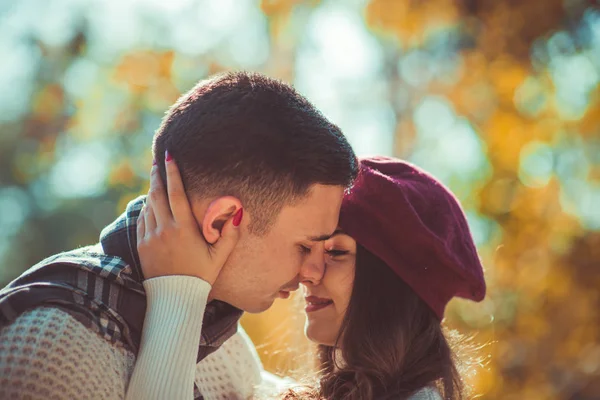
[169,240]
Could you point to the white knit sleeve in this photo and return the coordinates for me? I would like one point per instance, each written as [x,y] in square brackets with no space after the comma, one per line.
[47,354]
[170,338]
[231,372]
[427,393]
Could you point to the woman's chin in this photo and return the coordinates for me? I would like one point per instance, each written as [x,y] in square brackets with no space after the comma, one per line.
[318,335]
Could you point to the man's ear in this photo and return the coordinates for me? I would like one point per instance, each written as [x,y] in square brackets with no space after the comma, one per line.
[217,213]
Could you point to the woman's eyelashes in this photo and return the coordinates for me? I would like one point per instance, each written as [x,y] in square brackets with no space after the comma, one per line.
[305,250]
[336,253]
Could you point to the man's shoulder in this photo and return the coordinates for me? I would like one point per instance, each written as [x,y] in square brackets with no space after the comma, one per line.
[46,348]
[239,348]
[52,327]
[72,257]
[235,362]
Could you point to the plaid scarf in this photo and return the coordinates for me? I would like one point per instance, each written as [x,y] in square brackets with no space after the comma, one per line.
[101,286]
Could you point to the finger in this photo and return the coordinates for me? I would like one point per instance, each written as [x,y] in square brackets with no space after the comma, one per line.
[230,235]
[157,198]
[141,226]
[149,219]
[180,205]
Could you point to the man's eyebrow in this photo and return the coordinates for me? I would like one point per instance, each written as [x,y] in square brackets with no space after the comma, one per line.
[324,237]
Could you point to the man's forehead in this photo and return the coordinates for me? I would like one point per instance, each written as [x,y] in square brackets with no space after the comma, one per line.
[325,236]
[313,221]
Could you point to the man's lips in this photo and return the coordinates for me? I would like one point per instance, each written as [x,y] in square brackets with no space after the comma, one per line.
[285,292]
[314,303]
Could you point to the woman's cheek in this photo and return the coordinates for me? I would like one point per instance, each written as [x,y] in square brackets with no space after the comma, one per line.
[345,281]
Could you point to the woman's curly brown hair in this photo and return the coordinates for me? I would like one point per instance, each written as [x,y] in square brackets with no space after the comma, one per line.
[391,344]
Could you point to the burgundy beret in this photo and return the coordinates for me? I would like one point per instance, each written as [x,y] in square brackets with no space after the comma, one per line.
[415,225]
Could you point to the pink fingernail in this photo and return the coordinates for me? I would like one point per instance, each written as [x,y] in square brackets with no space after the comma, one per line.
[168,156]
[154,162]
[237,218]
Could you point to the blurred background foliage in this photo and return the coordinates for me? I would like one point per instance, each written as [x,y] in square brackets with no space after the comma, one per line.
[499,99]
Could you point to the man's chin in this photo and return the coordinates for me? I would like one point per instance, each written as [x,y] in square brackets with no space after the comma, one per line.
[252,306]
[258,308]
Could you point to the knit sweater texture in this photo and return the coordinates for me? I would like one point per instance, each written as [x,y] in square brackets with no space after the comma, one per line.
[47,354]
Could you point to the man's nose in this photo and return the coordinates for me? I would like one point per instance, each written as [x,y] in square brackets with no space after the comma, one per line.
[314,266]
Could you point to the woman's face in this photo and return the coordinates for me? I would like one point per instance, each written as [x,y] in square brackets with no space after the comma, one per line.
[328,299]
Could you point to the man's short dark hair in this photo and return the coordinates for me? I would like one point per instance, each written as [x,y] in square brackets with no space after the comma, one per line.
[255,138]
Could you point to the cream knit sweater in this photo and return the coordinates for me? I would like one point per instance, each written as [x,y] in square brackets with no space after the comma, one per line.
[48,354]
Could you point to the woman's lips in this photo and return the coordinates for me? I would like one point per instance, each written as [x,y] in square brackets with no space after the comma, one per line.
[314,303]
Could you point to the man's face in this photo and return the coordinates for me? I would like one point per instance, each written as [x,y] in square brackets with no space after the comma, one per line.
[263,268]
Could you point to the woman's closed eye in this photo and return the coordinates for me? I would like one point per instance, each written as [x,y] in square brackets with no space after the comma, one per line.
[336,253]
